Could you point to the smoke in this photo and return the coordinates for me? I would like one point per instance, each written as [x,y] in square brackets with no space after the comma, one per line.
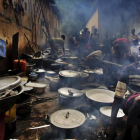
[114,16]
[75,14]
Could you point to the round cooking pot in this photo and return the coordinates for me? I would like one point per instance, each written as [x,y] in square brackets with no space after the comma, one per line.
[69,78]
[105,114]
[47,63]
[66,59]
[84,77]
[55,66]
[100,97]
[33,76]
[29,67]
[51,73]
[40,73]
[59,65]
[70,97]
[96,74]
[27,57]
[74,60]
[66,122]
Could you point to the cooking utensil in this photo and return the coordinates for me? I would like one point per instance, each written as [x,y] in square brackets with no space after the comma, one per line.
[9,82]
[55,66]
[70,97]
[106,110]
[47,63]
[43,126]
[105,114]
[67,119]
[69,73]
[84,77]
[100,97]
[37,87]
[74,60]
[69,78]
[29,67]
[7,102]
[33,76]
[40,73]
[51,73]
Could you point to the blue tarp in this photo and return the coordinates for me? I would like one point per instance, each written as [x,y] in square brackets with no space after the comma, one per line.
[2,48]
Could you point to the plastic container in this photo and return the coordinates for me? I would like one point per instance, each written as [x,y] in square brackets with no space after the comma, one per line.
[22,65]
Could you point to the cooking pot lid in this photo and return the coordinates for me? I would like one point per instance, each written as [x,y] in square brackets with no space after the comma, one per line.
[50,72]
[101,95]
[58,60]
[73,57]
[9,82]
[83,75]
[106,110]
[67,119]
[70,92]
[69,73]
[97,71]
[89,71]
[40,70]
[55,64]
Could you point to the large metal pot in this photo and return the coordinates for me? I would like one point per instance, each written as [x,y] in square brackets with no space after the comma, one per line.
[47,63]
[66,122]
[74,60]
[40,73]
[51,73]
[84,77]
[7,102]
[69,78]
[29,67]
[70,97]
[100,97]
[59,65]
[105,114]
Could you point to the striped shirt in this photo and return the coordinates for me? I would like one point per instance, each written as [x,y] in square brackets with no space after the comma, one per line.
[129,79]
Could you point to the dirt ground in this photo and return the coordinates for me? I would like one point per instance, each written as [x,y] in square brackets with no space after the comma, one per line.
[39,111]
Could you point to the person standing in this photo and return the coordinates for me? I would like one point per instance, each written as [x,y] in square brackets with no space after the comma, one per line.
[133,36]
[129,80]
[57,43]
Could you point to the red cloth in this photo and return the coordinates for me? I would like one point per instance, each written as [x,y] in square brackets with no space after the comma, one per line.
[131,98]
[122,40]
[2,126]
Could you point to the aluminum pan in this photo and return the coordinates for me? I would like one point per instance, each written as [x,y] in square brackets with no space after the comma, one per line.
[101,95]
[74,120]
[9,82]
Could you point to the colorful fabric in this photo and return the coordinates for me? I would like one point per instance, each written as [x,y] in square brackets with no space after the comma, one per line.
[122,40]
[130,77]
[128,102]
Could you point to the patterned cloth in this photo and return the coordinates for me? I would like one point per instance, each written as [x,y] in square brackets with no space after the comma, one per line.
[130,77]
